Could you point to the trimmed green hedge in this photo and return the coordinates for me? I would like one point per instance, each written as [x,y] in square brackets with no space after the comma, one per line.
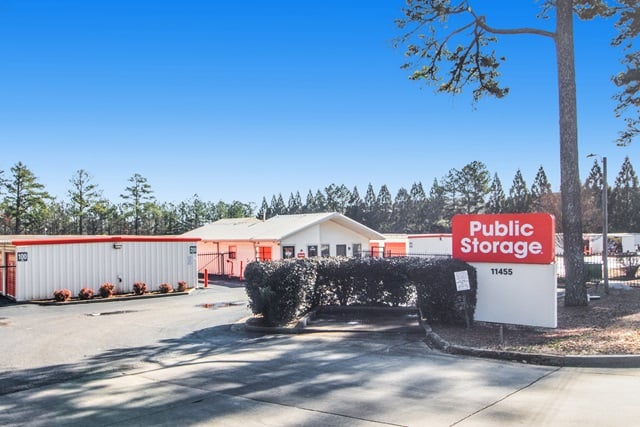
[282,291]
[437,294]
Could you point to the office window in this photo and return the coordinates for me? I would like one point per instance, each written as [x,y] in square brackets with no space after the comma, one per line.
[312,250]
[341,250]
[357,250]
[324,250]
[264,253]
[288,252]
[232,252]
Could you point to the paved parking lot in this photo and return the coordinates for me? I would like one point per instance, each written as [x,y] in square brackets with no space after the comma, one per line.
[186,361]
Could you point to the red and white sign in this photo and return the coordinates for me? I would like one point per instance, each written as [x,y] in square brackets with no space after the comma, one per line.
[504,238]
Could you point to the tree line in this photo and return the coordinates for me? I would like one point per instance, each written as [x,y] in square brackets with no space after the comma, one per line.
[470,190]
[27,208]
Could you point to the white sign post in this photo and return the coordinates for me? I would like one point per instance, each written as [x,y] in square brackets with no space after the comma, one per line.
[463,285]
[462,280]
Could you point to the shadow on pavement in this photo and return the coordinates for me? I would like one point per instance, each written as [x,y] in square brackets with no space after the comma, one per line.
[217,366]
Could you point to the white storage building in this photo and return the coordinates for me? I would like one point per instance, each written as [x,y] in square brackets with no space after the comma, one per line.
[36,267]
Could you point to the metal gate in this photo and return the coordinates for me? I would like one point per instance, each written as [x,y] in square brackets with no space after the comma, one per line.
[213,262]
[8,275]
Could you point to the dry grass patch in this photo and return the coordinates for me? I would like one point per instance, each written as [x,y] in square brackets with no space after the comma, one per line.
[610,325]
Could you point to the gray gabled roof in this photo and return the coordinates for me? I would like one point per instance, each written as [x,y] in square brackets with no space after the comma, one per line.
[225,229]
[276,228]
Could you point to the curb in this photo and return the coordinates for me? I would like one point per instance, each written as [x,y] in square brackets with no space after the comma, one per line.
[301,325]
[436,342]
[574,361]
[121,297]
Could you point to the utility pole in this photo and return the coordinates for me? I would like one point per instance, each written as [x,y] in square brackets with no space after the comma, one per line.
[605,227]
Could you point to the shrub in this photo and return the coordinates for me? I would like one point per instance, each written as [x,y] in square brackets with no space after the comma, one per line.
[165,288]
[328,288]
[106,290]
[62,295]
[278,290]
[85,293]
[368,285]
[281,291]
[182,286]
[437,295]
[139,288]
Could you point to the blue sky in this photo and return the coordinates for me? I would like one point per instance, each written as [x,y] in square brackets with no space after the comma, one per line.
[240,100]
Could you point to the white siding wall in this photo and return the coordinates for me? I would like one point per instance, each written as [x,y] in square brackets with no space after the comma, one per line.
[430,245]
[326,233]
[77,265]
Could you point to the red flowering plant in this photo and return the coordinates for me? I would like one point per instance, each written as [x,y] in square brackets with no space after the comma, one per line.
[62,295]
[106,290]
[165,288]
[85,293]
[139,288]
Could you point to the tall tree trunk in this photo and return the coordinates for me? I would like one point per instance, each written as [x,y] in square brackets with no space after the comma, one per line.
[575,289]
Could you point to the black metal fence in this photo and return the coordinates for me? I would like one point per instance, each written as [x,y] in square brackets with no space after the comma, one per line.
[623,269]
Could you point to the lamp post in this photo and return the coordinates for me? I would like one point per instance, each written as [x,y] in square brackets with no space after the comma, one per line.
[605,225]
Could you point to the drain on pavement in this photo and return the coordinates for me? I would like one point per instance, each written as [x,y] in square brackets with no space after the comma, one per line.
[221,304]
[108,313]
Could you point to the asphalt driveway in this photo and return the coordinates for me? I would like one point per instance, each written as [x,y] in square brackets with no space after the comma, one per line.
[179,361]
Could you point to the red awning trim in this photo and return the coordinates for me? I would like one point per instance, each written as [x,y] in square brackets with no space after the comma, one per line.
[101,239]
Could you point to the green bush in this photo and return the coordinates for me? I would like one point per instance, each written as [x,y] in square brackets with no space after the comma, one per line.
[280,290]
[368,285]
[437,295]
[334,282]
[323,289]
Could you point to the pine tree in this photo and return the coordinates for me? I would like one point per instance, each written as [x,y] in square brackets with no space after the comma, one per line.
[450,194]
[592,200]
[138,199]
[401,212]
[540,189]
[497,200]
[370,217]
[625,201]
[417,221]
[25,201]
[321,202]
[310,205]
[264,212]
[384,208]
[473,186]
[277,205]
[519,200]
[355,208]
[83,195]
[294,205]
[436,218]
